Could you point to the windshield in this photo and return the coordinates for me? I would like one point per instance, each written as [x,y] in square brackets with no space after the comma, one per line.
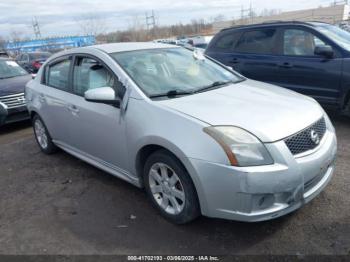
[10,69]
[160,71]
[338,35]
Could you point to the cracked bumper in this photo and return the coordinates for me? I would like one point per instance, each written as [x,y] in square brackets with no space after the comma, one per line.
[265,192]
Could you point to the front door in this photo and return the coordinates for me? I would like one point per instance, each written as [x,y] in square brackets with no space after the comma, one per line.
[97,130]
[303,71]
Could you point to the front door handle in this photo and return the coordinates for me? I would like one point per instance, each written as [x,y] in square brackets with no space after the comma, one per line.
[74,109]
[285,65]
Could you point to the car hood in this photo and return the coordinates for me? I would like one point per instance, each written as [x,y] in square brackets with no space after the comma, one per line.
[14,85]
[271,113]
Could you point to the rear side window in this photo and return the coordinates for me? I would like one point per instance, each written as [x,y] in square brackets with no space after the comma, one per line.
[57,75]
[227,42]
[257,42]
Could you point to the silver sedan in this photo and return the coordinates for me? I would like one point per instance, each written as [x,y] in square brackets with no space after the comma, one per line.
[199,137]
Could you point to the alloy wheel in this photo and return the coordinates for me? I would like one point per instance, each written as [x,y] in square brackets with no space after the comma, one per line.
[166,188]
[40,133]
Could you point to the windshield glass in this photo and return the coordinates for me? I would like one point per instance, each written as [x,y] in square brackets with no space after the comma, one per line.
[338,35]
[10,68]
[160,71]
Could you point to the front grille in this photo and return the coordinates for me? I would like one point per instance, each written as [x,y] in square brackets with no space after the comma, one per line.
[13,101]
[308,139]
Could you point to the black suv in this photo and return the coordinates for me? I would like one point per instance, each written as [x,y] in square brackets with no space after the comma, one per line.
[311,58]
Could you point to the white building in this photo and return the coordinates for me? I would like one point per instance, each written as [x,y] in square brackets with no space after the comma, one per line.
[331,14]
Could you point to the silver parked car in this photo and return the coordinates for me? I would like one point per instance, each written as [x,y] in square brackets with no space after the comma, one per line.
[199,137]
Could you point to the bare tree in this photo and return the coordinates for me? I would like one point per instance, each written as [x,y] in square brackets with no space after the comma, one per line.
[218,18]
[92,24]
[16,36]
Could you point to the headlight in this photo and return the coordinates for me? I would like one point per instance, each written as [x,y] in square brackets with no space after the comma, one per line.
[242,148]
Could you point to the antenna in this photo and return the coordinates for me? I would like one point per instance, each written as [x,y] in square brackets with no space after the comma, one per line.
[36,28]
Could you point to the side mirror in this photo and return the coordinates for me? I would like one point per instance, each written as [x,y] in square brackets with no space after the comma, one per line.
[104,95]
[324,50]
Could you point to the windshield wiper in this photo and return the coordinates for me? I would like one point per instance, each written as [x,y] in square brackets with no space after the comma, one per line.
[213,85]
[173,93]
[177,92]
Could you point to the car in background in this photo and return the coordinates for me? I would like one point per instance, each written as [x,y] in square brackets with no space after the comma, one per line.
[13,79]
[311,58]
[32,61]
[200,138]
[3,53]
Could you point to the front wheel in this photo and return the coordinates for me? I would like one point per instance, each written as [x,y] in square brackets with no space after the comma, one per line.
[42,136]
[170,188]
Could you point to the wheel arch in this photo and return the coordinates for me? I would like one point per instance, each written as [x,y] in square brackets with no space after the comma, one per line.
[147,149]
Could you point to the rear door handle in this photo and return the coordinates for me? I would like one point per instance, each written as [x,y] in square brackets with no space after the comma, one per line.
[285,65]
[235,61]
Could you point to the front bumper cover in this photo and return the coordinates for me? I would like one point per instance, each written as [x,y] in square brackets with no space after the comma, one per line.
[265,192]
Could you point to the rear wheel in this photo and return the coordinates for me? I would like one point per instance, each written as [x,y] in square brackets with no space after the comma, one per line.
[346,110]
[170,188]
[42,136]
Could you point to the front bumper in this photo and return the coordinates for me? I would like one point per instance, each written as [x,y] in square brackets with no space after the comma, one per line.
[17,114]
[265,192]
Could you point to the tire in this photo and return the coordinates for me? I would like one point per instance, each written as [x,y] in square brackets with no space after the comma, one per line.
[42,136]
[170,188]
[346,110]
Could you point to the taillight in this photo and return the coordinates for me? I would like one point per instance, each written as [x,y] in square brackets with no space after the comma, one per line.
[36,64]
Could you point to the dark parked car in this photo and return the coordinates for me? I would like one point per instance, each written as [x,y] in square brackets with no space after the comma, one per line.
[311,58]
[32,61]
[12,82]
[3,53]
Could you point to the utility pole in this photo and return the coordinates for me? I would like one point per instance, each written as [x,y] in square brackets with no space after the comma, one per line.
[150,20]
[243,14]
[36,28]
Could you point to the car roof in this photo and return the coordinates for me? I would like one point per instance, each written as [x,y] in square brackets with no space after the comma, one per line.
[131,46]
[275,23]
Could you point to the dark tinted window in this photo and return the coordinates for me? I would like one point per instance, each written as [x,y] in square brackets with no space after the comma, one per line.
[57,75]
[226,42]
[257,42]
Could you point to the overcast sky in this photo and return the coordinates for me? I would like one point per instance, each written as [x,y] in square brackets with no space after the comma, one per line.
[60,17]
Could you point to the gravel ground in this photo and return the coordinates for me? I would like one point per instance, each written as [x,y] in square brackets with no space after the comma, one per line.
[60,205]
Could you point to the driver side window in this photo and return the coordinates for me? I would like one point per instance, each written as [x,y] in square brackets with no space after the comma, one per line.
[297,42]
[89,74]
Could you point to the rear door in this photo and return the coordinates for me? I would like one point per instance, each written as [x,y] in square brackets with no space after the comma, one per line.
[252,53]
[53,93]
[303,71]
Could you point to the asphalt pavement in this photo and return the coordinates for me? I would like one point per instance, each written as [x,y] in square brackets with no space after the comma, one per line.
[60,205]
